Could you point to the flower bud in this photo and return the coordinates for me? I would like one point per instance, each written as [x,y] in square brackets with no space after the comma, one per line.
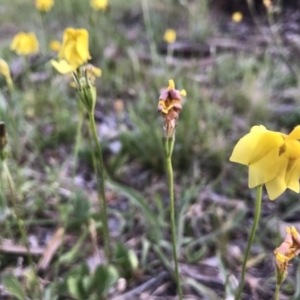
[169,105]
[86,91]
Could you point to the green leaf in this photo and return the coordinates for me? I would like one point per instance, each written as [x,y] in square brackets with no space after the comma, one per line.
[104,278]
[126,259]
[87,284]
[75,288]
[70,256]
[205,291]
[4,210]
[14,287]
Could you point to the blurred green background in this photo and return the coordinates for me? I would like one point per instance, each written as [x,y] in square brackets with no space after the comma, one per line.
[236,74]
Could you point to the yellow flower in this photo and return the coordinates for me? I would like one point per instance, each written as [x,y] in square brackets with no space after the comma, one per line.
[99,4]
[273,159]
[25,43]
[170,36]
[55,45]
[44,5]
[169,105]
[170,98]
[4,70]
[75,47]
[237,17]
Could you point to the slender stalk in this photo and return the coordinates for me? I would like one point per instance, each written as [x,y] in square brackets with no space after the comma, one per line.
[277,290]
[102,197]
[20,222]
[78,136]
[250,240]
[42,30]
[168,146]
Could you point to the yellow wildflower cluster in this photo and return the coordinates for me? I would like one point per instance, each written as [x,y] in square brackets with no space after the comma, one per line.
[273,159]
[55,45]
[25,43]
[237,17]
[169,105]
[99,4]
[170,36]
[287,251]
[44,5]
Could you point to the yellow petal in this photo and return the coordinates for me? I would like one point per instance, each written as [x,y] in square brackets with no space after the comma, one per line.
[70,53]
[4,68]
[62,66]
[281,258]
[171,85]
[16,41]
[278,185]
[296,235]
[243,150]
[5,71]
[268,141]
[82,44]
[295,134]
[34,42]
[183,93]
[292,149]
[292,175]
[69,34]
[266,169]
[258,128]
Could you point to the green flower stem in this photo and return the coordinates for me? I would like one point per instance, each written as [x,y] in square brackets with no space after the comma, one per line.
[168,147]
[43,31]
[102,197]
[20,222]
[250,240]
[277,290]
[78,134]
